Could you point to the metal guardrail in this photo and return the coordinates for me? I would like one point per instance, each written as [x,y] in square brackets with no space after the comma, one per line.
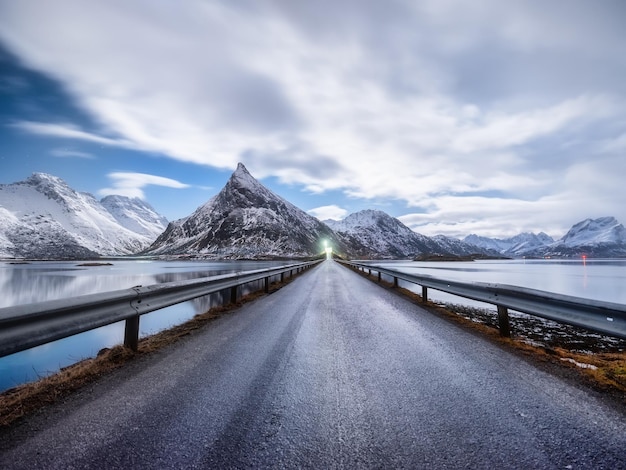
[602,317]
[25,326]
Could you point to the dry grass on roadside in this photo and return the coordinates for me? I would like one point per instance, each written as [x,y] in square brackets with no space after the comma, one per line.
[23,400]
[603,371]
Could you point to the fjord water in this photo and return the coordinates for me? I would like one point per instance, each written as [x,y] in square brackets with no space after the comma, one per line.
[42,281]
[35,282]
[598,279]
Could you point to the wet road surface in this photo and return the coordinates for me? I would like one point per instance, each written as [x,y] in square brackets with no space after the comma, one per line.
[331,371]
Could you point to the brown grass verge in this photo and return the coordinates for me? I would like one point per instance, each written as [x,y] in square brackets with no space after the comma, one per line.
[21,401]
[604,371]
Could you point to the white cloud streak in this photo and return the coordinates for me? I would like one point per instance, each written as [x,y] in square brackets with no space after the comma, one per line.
[132,184]
[68,131]
[332,212]
[457,109]
[68,153]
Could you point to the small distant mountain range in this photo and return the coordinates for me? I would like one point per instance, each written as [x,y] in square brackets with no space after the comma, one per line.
[43,218]
[598,238]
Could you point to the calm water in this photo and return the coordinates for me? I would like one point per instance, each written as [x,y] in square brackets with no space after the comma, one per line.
[41,281]
[22,284]
[592,279]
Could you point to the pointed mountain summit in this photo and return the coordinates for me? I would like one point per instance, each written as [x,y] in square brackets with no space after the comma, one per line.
[246,220]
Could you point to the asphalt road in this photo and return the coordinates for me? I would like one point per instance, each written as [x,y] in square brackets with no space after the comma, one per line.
[331,371]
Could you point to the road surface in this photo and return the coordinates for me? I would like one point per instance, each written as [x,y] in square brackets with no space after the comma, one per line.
[332,371]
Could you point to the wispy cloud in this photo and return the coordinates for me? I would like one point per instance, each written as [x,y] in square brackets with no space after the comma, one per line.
[69,131]
[69,153]
[132,184]
[332,211]
[431,103]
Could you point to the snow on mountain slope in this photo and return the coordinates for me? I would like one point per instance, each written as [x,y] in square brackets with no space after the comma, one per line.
[375,234]
[605,230]
[461,248]
[518,245]
[42,217]
[246,220]
[497,244]
[599,238]
[527,242]
[136,215]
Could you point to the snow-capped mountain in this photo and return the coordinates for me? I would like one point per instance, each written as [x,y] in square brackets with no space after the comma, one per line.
[605,230]
[246,220]
[375,234]
[601,238]
[604,237]
[519,245]
[136,215]
[42,217]
[461,248]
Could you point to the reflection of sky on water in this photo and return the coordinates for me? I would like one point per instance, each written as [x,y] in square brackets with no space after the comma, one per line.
[592,279]
[36,282]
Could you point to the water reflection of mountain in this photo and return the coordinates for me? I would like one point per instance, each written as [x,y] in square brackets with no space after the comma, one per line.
[39,282]
[25,286]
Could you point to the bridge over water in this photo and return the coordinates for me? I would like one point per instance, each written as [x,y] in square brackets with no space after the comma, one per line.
[331,371]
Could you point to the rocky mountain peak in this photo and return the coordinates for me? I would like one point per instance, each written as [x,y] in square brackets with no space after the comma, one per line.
[54,188]
[242,174]
[242,181]
[43,178]
[245,220]
[45,182]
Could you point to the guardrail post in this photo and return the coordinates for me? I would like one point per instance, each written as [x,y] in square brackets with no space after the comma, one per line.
[503,321]
[424,294]
[267,285]
[369,272]
[282,277]
[379,276]
[233,295]
[131,333]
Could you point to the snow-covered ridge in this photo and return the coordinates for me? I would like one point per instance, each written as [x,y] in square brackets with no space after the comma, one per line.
[136,215]
[605,230]
[375,234]
[42,217]
[602,237]
[518,245]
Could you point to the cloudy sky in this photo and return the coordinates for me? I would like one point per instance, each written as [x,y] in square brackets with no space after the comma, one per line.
[455,116]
